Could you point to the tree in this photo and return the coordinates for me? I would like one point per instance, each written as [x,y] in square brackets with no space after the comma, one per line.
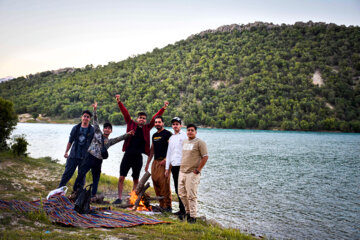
[8,121]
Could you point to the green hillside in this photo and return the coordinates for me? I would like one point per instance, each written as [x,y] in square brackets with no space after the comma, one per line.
[257,76]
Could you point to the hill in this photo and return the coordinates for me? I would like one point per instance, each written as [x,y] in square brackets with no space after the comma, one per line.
[263,76]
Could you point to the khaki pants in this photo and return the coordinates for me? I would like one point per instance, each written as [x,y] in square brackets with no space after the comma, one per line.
[188,186]
[161,183]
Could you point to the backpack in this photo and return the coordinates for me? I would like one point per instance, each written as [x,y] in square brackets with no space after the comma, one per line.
[82,203]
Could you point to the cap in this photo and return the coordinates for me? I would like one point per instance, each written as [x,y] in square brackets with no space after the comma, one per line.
[176,119]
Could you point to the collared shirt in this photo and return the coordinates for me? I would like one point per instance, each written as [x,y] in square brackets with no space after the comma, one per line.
[174,152]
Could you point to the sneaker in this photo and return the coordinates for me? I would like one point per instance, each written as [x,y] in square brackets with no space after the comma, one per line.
[191,220]
[117,201]
[183,217]
[179,213]
[168,209]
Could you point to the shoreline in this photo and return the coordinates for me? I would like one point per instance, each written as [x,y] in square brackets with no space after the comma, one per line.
[75,121]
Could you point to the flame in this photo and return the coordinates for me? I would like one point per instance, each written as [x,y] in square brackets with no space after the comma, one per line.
[141,207]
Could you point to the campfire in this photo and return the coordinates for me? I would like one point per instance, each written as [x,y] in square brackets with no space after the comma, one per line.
[139,200]
[143,203]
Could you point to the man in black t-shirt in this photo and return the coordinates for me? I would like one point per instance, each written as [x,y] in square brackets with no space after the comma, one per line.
[159,146]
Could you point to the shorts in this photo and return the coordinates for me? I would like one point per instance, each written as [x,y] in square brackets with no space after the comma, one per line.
[133,161]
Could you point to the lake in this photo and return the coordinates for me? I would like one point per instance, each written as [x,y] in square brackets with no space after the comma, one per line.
[298,185]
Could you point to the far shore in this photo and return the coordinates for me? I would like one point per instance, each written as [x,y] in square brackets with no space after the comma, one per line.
[28,118]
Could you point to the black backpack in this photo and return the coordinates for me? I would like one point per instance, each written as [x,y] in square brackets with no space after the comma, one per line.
[82,203]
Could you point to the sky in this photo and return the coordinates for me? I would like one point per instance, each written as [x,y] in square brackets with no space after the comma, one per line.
[41,35]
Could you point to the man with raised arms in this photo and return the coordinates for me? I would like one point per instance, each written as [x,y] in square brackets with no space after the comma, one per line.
[135,145]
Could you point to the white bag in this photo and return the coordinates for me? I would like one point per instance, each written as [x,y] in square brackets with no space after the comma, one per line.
[61,191]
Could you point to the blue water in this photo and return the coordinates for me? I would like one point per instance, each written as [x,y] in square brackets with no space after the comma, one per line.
[284,185]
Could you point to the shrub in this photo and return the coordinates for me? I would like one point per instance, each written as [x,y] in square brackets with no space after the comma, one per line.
[8,121]
[19,147]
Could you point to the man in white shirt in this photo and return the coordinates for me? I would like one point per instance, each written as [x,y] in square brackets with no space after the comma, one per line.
[173,157]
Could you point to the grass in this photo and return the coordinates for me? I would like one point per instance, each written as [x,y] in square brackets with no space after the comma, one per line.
[25,178]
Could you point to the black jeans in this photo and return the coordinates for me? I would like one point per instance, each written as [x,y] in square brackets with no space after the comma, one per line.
[94,164]
[175,173]
[70,167]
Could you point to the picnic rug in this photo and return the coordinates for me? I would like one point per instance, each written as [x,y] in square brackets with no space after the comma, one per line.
[61,210]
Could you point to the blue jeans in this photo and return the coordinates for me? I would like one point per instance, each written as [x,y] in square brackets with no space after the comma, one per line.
[94,164]
[70,167]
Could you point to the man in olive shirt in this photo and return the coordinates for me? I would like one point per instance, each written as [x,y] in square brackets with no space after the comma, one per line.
[194,157]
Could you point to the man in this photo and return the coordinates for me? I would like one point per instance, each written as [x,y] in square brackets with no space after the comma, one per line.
[135,145]
[159,148]
[93,159]
[194,157]
[173,157]
[79,141]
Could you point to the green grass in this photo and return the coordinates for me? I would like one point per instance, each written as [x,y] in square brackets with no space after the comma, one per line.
[25,178]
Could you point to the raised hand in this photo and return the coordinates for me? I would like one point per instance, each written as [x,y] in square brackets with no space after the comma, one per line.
[117,96]
[94,105]
[166,103]
[132,132]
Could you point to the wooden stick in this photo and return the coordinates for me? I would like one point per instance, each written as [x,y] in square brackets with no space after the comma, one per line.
[155,198]
[142,182]
[136,205]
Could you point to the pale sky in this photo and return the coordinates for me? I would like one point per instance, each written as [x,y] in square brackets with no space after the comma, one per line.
[40,35]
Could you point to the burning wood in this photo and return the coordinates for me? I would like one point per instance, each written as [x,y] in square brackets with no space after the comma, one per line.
[139,200]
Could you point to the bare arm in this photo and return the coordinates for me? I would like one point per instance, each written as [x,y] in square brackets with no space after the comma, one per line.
[68,146]
[150,157]
[201,165]
[95,119]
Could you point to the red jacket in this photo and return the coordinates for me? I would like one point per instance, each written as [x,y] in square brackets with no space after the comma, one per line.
[132,125]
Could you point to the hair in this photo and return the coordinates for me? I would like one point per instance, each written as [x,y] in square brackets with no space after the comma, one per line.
[141,114]
[191,125]
[87,112]
[159,117]
[107,124]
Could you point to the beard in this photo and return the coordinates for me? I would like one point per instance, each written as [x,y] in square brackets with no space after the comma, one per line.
[158,127]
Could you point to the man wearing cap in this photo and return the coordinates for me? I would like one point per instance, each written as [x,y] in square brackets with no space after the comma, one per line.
[158,150]
[173,157]
[79,142]
[194,158]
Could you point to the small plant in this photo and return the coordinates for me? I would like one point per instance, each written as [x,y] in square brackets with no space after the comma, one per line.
[19,147]
[39,215]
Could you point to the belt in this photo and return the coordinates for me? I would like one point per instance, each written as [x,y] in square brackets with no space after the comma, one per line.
[160,159]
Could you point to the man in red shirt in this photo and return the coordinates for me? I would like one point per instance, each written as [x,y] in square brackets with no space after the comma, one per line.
[135,145]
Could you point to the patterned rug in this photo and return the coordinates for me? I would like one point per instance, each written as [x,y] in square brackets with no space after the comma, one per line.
[61,210]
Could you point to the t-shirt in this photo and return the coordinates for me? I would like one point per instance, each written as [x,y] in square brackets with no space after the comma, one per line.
[193,151]
[161,142]
[81,142]
[137,142]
